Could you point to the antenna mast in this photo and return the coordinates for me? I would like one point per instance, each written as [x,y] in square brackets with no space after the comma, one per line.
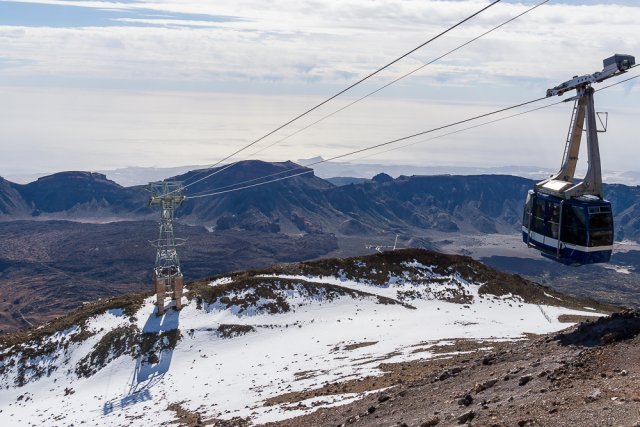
[167,275]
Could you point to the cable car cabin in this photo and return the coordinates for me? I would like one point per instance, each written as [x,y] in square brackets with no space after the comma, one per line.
[568,219]
[572,231]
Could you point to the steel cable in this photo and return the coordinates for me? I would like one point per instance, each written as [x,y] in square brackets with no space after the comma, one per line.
[333,97]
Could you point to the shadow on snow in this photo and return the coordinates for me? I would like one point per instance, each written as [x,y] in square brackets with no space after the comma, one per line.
[147,374]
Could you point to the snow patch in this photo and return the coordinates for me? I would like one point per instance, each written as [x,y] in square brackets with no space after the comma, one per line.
[621,269]
[551,296]
[290,351]
[221,281]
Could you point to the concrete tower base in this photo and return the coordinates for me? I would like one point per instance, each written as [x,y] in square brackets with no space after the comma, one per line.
[168,287]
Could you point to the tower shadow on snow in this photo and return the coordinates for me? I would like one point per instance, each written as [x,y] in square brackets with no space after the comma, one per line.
[151,365]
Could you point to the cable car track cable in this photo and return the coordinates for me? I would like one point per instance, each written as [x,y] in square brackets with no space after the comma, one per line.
[620,82]
[382,144]
[500,119]
[338,94]
[462,130]
[305,170]
[398,79]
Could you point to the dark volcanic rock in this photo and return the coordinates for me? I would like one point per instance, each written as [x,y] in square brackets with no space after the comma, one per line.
[67,190]
[605,330]
[382,178]
[466,417]
[430,422]
[11,202]
[275,201]
[434,201]
[352,227]
[466,400]
[524,380]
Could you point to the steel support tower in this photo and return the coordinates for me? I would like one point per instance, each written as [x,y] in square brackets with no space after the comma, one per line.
[167,275]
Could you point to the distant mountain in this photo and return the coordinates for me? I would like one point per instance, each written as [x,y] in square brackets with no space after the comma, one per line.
[294,204]
[625,201]
[366,170]
[445,203]
[339,181]
[73,195]
[136,175]
[48,266]
[305,203]
[12,204]
[132,176]
[327,170]
[127,176]
[66,191]
[310,204]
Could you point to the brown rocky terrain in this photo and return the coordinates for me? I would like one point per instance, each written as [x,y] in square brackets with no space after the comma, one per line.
[583,376]
[587,375]
[48,268]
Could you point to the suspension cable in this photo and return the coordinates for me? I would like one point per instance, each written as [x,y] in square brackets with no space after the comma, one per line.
[394,148]
[335,96]
[621,81]
[397,79]
[305,170]
[393,141]
[462,130]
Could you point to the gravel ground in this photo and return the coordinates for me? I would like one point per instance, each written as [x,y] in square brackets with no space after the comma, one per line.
[588,375]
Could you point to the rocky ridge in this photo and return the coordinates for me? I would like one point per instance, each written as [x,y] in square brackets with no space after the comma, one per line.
[272,344]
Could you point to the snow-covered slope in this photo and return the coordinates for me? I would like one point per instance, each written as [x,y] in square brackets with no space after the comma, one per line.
[245,345]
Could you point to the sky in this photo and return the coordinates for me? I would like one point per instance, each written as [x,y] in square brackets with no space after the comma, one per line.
[94,85]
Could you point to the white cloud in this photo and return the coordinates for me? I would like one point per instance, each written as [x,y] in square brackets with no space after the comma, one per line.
[324,41]
[292,49]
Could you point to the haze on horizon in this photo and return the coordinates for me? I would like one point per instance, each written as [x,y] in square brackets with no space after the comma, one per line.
[95,85]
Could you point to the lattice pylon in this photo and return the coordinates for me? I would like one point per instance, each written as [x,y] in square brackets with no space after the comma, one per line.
[167,274]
